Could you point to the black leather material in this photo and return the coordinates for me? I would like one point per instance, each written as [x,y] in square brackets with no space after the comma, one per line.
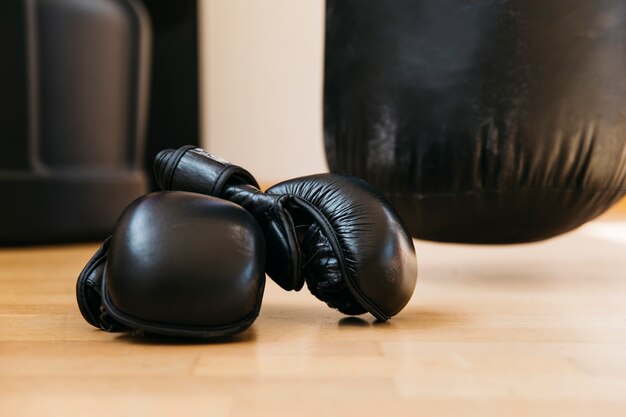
[351,230]
[193,169]
[483,121]
[89,292]
[334,232]
[198,162]
[180,264]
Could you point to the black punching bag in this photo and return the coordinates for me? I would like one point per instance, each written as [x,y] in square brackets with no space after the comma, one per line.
[73,106]
[483,121]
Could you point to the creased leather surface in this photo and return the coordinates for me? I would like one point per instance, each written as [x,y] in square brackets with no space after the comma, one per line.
[336,233]
[374,244]
[482,121]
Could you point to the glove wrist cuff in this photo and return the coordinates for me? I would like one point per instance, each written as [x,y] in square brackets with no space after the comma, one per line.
[193,169]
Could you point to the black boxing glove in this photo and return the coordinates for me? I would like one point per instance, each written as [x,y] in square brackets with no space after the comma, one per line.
[335,232]
[179,264]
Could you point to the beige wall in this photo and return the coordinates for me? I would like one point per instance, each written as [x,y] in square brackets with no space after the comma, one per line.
[262,64]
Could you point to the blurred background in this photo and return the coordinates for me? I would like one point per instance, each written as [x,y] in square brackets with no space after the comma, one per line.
[92,90]
[262,74]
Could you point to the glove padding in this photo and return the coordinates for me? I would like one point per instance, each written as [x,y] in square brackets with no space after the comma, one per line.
[335,232]
[178,264]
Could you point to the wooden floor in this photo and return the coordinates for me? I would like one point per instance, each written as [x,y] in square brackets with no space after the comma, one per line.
[524,330]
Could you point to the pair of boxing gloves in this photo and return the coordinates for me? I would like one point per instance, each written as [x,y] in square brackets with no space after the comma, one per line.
[192,261]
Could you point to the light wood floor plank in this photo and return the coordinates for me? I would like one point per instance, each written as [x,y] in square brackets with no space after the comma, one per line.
[537,329]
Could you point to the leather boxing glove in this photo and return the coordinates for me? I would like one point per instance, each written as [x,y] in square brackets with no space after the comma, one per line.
[178,264]
[335,232]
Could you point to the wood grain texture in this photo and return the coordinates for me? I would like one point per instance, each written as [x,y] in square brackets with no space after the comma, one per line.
[537,329]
